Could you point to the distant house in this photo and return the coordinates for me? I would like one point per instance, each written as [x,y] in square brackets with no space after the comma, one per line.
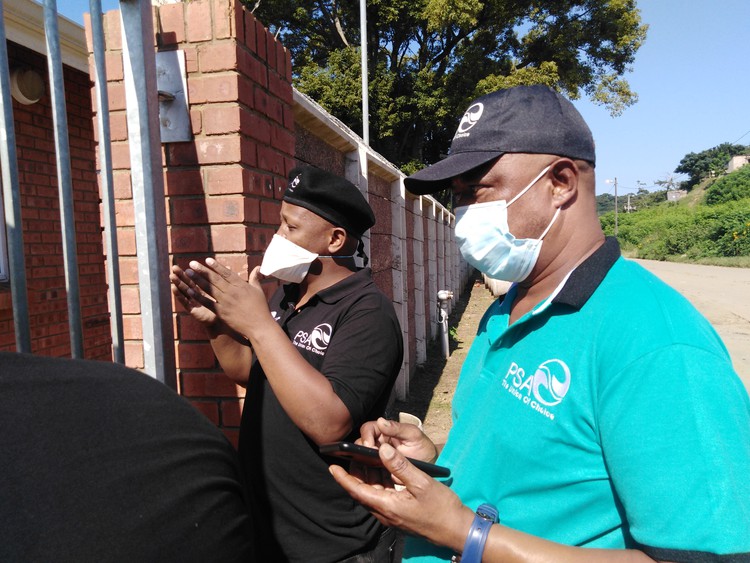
[737,162]
[676,195]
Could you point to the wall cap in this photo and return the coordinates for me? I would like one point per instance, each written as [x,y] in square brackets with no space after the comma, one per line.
[24,24]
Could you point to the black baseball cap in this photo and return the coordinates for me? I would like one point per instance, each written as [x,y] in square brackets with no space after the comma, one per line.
[331,197]
[524,119]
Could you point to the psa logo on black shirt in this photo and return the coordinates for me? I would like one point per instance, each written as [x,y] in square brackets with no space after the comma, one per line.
[316,340]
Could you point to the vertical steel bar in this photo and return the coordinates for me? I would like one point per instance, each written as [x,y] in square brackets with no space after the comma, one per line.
[107,182]
[365,80]
[64,177]
[12,201]
[148,189]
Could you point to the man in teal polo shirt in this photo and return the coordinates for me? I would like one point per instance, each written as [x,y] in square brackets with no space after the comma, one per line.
[597,416]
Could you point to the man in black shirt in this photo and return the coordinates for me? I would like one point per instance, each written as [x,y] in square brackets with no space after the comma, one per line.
[318,360]
[100,463]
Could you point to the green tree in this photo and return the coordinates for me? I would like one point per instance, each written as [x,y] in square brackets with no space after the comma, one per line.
[732,187]
[699,166]
[427,59]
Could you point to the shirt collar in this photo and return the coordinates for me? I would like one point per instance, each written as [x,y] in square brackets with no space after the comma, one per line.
[581,283]
[333,293]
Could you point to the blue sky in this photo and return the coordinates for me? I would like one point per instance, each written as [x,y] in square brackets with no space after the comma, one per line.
[692,76]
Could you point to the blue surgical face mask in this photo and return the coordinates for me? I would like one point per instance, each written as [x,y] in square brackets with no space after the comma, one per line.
[485,240]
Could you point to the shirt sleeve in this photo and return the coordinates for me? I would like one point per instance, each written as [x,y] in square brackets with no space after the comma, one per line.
[675,432]
[364,357]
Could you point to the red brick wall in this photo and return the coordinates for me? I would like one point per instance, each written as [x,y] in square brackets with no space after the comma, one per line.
[40,212]
[224,187]
[315,151]
[381,252]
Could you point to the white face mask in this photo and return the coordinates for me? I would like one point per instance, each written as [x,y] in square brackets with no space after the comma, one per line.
[286,261]
[485,240]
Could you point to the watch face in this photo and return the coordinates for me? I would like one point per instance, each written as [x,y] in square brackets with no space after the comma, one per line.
[488,512]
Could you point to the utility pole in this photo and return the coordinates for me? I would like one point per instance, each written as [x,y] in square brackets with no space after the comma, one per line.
[615,183]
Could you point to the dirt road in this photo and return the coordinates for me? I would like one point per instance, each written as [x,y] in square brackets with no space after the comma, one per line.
[722,295]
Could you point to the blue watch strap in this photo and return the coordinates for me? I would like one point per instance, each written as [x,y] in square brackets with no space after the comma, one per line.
[484,518]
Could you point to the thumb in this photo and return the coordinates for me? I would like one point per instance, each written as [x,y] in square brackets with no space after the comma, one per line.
[401,468]
[255,277]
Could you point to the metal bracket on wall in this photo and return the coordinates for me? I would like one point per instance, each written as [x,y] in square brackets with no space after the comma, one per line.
[171,81]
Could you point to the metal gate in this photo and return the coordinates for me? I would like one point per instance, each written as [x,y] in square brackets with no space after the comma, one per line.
[147,186]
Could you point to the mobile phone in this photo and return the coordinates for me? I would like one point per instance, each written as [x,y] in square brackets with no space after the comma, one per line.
[369,456]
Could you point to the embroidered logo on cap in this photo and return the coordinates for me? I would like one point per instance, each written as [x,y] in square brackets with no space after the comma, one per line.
[469,120]
[294,183]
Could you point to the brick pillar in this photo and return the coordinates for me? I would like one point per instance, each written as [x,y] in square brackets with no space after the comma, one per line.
[224,186]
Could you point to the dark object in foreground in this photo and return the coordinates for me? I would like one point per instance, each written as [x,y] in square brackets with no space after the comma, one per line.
[369,456]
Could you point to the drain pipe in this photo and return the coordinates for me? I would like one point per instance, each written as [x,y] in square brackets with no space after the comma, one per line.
[443,297]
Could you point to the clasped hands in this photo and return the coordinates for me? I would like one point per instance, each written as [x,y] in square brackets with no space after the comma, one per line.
[211,292]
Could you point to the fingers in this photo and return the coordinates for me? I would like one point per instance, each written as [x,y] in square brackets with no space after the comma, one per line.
[403,470]
[181,286]
[371,474]
[369,433]
[374,498]
[380,431]
[220,269]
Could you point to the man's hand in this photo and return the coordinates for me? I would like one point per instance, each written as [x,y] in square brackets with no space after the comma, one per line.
[184,290]
[407,438]
[424,507]
[240,305]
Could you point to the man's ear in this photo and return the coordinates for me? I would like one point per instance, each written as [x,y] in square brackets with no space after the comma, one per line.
[337,240]
[565,179]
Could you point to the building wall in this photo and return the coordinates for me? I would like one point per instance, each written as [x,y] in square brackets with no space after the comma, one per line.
[40,213]
[737,162]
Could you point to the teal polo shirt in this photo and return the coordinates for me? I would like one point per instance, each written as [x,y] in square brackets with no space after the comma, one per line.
[609,416]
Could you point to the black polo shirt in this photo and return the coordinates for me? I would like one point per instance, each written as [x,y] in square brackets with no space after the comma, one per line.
[99,462]
[350,333]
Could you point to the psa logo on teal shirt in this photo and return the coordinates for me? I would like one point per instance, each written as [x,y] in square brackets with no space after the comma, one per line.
[545,387]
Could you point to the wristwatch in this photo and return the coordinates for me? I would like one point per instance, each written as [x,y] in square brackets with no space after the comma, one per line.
[485,517]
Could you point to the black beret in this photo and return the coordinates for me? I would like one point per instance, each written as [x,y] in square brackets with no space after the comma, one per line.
[335,199]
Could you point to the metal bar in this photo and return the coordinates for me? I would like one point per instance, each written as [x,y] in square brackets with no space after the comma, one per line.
[12,201]
[363,55]
[107,182]
[64,178]
[148,189]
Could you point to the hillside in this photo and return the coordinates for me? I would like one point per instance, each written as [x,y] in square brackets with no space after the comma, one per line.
[710,225]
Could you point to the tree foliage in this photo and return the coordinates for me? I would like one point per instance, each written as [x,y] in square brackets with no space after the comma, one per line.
[699,166]
[427,59]
[732,187]
[670,229]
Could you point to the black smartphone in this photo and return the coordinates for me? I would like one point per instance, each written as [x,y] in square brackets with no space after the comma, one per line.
[369,456]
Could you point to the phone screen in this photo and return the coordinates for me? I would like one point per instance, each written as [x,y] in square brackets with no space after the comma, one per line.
[369,456]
